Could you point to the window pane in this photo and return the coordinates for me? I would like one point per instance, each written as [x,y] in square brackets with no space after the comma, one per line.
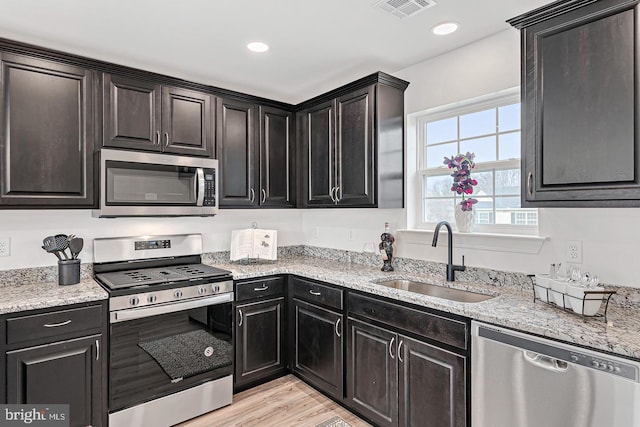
[484,207]
[507,210]
[436,210]
[438,186]
[484,148]
[442,130]
[480,123]
[509,146]
[436,154]
[509,117]
[508,182]
[485,184]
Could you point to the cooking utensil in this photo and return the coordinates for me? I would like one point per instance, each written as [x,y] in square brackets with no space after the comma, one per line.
[75,246]
[49,245]
[62,243]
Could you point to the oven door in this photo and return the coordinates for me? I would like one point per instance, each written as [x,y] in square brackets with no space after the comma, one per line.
[156,351]
[149,184]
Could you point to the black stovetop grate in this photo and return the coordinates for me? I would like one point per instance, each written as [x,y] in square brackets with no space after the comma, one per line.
[158,275]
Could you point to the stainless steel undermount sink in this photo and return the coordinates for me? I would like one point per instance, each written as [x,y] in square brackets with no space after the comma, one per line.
[435,290]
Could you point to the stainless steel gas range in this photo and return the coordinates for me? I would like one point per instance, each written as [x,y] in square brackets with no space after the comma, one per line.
[170,331]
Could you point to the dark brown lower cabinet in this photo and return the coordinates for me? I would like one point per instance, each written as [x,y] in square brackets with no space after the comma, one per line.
[394,380]
[431,390]
[67,372]
[260,351]
[318,347]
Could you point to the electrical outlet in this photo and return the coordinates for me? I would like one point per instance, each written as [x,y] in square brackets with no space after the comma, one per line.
[316,233]
[5,246]
[574,251]
[350,234]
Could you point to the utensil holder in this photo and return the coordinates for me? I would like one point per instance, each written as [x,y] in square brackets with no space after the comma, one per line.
[69,272]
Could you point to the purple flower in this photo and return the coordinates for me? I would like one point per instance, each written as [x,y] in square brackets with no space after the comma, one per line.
[462,182]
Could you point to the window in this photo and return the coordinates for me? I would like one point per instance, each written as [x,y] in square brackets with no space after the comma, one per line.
[490,128]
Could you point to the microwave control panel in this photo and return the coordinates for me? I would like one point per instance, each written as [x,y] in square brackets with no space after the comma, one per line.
[209,187]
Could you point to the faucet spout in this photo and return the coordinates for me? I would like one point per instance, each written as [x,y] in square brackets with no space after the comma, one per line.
[451,268]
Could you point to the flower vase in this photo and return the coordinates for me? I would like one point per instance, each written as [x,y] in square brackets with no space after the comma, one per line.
[464,219]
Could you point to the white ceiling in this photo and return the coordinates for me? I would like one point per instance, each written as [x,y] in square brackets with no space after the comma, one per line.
[315,45]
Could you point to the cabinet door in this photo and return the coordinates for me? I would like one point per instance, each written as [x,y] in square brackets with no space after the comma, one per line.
[581,143]
[65,372]
[318,347]
[372,372]
[355,148]
[426,370]
[237,153]
[276,157]
[259,341]
[319,139]
[131,113]
[187,122]
[46,133]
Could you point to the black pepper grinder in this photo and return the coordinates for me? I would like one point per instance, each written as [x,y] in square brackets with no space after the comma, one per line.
[386,248]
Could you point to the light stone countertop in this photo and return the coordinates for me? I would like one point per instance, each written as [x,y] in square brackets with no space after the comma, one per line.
[512,307]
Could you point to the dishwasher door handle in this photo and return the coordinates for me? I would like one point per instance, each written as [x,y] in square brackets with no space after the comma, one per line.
[545,362]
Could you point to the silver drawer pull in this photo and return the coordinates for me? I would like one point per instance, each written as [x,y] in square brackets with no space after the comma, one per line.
[391,347]
[312,292]
[400,351]
[338,327]
[263,288]
[97,350]
[55,325]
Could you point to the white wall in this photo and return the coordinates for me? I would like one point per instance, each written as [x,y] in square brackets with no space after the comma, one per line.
[27,228]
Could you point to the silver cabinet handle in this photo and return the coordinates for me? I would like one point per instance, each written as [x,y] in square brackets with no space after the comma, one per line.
[240,322]
[331,194]
[312,292]
[157,138]
[263,288]
[97,350]
[337,198]
[530,183]
[400,351]
[199,186]
[253,195]
[264,196]
[55,325]
[391,347]
[166,139]
[337,326]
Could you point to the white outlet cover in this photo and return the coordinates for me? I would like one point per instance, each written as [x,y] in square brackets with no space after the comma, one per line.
[5,246]
[574,251]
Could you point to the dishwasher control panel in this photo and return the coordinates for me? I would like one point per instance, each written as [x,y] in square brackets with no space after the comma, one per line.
[604,364]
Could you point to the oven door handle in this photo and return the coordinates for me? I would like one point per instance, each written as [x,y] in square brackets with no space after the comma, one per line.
[200,186]
[139,313]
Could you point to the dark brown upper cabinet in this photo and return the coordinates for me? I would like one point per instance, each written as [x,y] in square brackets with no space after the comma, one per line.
[47,133]
[580,104]
[255,150]
[144,115]
[352,145]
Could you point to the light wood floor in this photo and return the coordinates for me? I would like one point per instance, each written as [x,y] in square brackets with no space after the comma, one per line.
[284,402]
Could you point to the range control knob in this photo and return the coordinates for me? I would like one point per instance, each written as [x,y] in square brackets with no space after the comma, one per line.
[202,290]
[177,294]
[216,288]
[574,358]
[603,365]
[610,368]
[134,301]
[617,370]
[595,364]
[152,298]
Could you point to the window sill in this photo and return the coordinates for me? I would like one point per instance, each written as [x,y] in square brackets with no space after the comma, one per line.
[513,243]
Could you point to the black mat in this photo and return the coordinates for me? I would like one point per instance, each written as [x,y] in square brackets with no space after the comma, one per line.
[188,354]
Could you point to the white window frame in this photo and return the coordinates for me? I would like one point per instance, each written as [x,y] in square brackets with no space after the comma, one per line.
[498,99]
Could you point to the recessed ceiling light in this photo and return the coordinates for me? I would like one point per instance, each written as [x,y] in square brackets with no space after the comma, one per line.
[257,47]
[444,28]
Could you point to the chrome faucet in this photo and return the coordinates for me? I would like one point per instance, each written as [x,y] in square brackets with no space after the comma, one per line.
[451,268]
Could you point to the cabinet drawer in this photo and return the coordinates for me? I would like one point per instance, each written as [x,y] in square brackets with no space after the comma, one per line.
[448,331]
[49,325]
[268,287]
[317,294]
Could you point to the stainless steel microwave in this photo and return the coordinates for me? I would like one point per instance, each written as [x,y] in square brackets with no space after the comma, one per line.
[134,183]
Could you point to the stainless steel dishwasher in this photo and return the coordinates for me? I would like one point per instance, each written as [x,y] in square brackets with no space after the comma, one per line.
[518,380]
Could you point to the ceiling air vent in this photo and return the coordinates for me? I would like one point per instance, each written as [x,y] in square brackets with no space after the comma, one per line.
[403,8]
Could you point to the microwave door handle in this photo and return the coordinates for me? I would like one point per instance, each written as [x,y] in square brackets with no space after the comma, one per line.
[199,187]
